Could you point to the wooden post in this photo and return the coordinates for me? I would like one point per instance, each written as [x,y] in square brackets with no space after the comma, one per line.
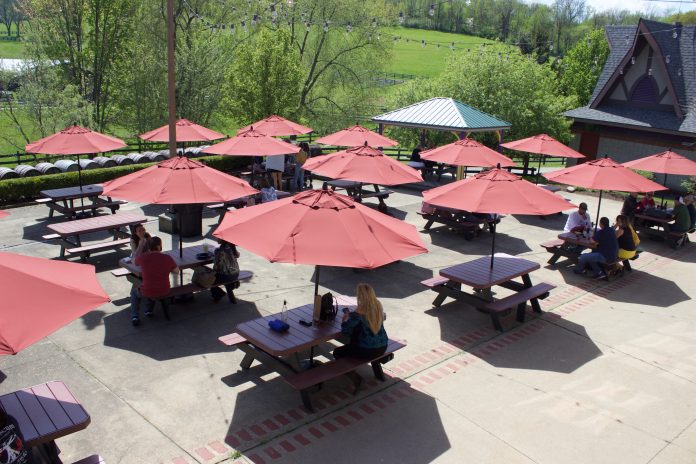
[171,77]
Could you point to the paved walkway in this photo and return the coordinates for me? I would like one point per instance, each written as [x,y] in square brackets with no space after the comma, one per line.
[606,375]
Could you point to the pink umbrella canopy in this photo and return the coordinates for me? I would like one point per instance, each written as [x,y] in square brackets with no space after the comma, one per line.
[356,136]
[252,143]
[467,152]
[186,131]
[496,191]
[543,144]
[40,296]
[321,227]
[363,164]
[75,140]
[666,162]
[603,174]
[277,126]
[178,180]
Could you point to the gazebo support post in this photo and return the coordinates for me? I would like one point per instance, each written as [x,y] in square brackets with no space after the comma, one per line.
[461,170]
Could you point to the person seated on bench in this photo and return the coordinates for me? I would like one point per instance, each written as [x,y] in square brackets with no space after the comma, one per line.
[630,206]
[646,203]
[155,268]
[268,192]
[12,448]
[226,270]
[627,239]
[365,326]
[607,250]
[139,240]
[579,220]
[689,202]
[682,218]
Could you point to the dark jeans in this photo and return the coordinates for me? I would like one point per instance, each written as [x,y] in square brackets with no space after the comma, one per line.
[354,351]
[228,280]
[135,298]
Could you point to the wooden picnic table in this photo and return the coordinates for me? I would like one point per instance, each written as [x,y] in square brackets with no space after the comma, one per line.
[660,228]
[457,219]
[63,200]
[238,203]
[356,191]
[568,245]
[188,260]
[70,233]
[282,351]
[44,413]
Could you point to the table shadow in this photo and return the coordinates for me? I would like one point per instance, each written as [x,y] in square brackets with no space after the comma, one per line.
[409,423]
[551,222]
[194,328]
[443,237]
[400,279]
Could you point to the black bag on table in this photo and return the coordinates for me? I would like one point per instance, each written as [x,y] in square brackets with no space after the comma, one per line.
[329,307]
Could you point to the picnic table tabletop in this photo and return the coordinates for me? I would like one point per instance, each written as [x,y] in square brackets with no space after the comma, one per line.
[298,337]
[67,193]
[96,224]
[189,259]
[45,412]
[479,274]
[550,188]
[661,220]
[577,239]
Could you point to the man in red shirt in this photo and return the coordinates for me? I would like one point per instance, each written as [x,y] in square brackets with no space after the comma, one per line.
[155,268]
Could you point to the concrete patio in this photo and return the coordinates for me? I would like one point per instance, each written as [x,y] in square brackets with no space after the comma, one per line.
[607,374]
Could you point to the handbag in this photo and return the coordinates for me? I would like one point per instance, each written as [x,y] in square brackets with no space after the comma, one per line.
[329,307]
[203,277]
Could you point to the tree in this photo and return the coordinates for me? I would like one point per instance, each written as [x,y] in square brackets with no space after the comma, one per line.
[566,14]
[582,66]
[264,78]
[9,12]
[510,86]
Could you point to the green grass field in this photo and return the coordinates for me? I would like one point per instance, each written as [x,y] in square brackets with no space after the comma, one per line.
[11,49]
[412,58]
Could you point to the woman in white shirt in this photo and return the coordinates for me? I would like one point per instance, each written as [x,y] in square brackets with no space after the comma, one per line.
[276,165]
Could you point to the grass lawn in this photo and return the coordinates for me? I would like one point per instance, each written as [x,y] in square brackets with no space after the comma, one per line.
[411,58]
[11,49]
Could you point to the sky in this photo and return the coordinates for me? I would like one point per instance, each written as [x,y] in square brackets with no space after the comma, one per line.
[633,5]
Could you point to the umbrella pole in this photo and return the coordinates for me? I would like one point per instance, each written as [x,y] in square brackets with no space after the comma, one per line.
[664,184]
[79,181]
[316,279]
[181,246]
[538,171]
[493,227]
[599,205]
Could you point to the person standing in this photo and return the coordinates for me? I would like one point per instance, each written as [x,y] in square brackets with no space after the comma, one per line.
[606,251]
[299,175]
[275,165]
[155,268]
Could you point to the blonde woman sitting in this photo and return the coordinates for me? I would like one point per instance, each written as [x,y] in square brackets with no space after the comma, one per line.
[365,326]
[627,239]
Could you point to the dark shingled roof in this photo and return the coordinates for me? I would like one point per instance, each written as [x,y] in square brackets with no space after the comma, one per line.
[682,53]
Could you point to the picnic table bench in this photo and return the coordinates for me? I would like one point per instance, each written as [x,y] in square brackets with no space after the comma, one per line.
[570,245]
[659,227]
[283,352]
[44,413]
[70,233]
[478,275]
[222,208]
[356,191]
[191,257]
[63,200]
[459,220]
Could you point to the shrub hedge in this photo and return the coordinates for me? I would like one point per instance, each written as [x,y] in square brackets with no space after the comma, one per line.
[27,188]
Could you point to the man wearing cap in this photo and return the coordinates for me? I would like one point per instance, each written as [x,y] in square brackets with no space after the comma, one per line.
[579,220]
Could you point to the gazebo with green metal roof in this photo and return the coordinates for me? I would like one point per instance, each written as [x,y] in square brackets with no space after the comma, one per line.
[443,114]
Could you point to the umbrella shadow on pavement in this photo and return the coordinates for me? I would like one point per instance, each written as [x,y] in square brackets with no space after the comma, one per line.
[193,330]
[395,280]
[262,410]
[550,222]
[481,244]
[93,319]
[558,346]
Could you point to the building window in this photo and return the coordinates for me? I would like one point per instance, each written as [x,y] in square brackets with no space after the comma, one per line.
[645,91]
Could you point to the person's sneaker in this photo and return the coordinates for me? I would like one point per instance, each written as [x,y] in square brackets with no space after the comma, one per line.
[600,275]
[149,313]
[135,321]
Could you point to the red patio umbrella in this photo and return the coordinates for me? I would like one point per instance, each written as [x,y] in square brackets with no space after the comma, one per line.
[321,228]
[176,181]
[277,126]
[603,174]
[356,136]
[252,143]
[40,296]
[363,164]
[75,140]
[186,131]
[666,162]
[543,144]
[496,191]
[467,152]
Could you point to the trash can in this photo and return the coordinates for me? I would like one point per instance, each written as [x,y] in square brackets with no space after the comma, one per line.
[190,218]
